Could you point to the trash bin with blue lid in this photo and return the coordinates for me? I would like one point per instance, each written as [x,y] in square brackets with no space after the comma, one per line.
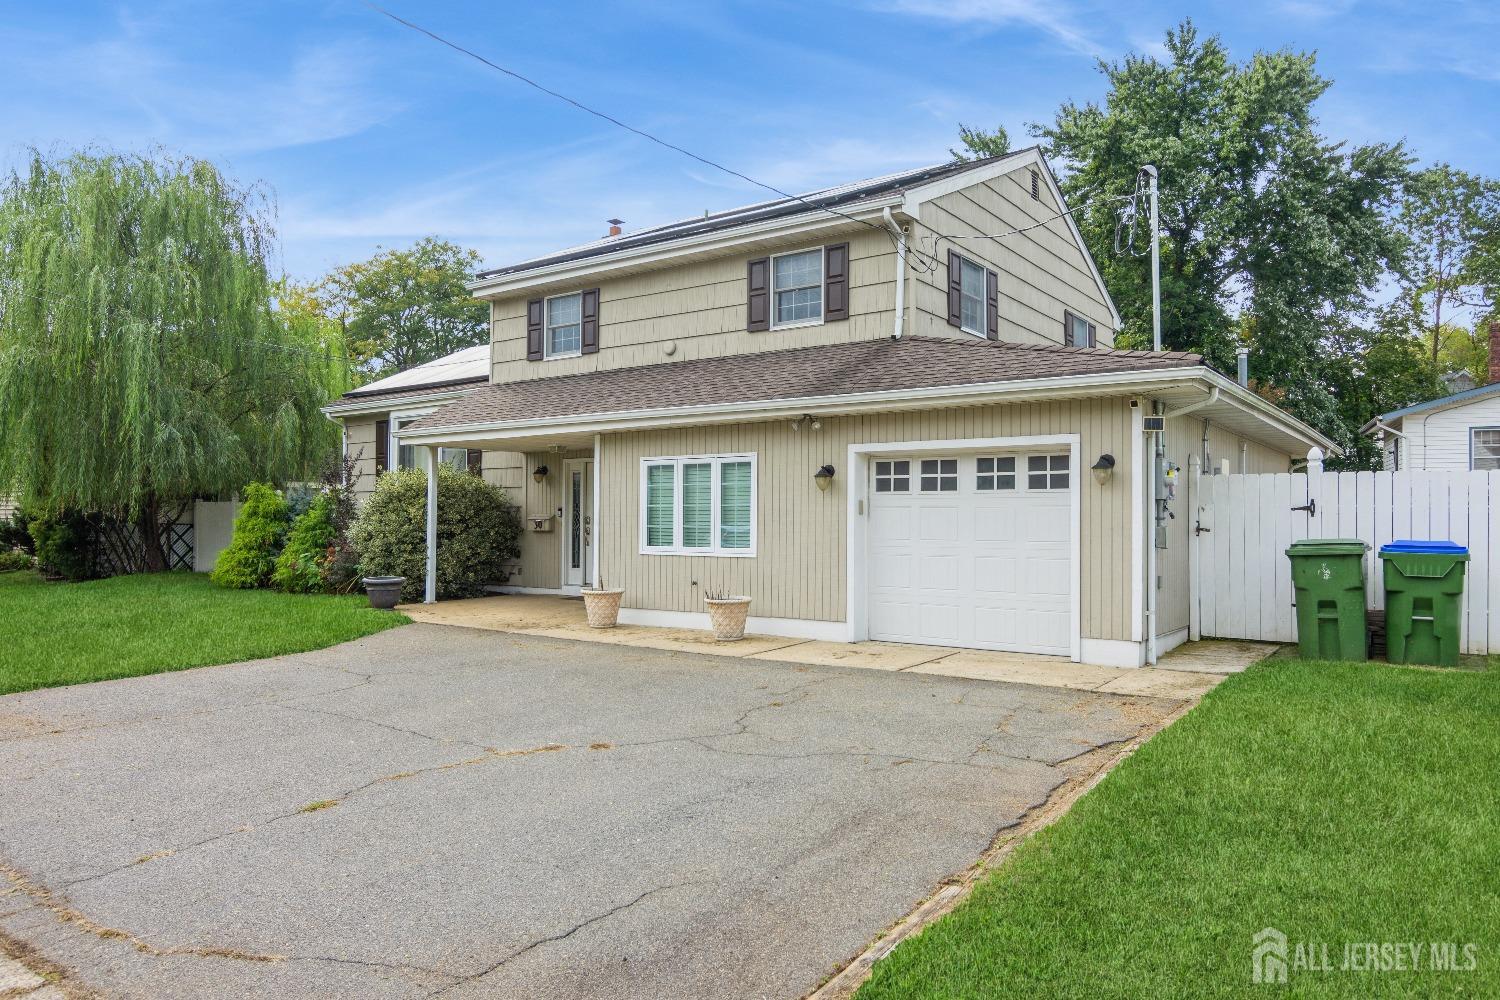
[1424,585]
[1328,576]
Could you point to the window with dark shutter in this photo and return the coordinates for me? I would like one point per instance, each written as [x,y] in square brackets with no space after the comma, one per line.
[758,294]
[476,461]
[382,443]
[1079,332]
[992,305]
[534,327]
[836,282]
[955,289]
[590,322]
[1067,329]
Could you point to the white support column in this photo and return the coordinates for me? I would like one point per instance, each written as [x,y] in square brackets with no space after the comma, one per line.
[430,597]
[594,520]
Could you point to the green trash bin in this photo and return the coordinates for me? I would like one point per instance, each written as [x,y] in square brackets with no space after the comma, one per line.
[1328,575]
[1424,582]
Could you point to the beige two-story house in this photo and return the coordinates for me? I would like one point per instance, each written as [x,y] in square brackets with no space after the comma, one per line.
[887,410]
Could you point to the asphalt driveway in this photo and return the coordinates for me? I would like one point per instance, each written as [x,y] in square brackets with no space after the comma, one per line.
[439,811]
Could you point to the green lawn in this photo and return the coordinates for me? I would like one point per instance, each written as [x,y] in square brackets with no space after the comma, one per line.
[70,633]
[1336,802]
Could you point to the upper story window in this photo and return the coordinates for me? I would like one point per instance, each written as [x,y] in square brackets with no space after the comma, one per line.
[1079,332]
[565,325]
[1484,450]
[797,287]
[971,292]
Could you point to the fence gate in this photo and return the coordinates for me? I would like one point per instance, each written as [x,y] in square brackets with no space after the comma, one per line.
[1241,581]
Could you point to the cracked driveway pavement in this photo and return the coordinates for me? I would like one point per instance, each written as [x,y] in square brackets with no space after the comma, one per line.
[435,811]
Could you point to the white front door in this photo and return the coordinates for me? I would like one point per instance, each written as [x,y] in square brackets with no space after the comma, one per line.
[578,521]
[973,550]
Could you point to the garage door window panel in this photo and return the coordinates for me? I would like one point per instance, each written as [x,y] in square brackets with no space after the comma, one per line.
[995,474]
[893,476]
[1047,472]
[939,475]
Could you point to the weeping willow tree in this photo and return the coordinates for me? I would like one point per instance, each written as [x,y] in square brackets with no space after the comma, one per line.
[142,363]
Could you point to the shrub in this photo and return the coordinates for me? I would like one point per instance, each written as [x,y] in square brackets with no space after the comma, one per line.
[259,530]
[15,532]
[63,545]
[478,531]
[12,560]
[299,568]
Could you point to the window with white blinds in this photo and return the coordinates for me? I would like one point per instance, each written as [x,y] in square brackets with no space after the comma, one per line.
[698,505]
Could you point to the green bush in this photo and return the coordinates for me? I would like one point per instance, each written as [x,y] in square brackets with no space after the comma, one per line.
[300,567]
[478,531]
[259,531]
[12,560]
[15,532]
[63,545]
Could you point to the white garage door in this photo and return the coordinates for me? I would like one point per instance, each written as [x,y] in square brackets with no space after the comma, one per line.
[972,550]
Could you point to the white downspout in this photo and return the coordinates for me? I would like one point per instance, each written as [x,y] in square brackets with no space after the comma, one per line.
[900,237]
[430,594]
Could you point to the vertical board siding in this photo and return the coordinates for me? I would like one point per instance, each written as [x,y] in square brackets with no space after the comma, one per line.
[799,570]
[1244,588]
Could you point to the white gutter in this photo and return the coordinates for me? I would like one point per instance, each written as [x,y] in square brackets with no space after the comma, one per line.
[1209,400]
[357,407]
[900,237]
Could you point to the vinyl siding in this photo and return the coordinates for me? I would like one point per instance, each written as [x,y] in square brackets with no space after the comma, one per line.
[359,447]
[1184,439]
[1042,272]
[697,310]
[799,570]
[1439,441]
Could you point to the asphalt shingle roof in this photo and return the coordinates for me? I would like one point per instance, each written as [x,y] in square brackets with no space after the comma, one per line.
[882,365]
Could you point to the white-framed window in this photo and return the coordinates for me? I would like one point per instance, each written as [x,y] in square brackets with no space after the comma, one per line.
[698,505]
[1047,472]
[995,473]
[562,334]
[971,298]
[797,288]
[939,475]
[893,475]
[1079,332]
[1484,448]
[458,458]
[406,455]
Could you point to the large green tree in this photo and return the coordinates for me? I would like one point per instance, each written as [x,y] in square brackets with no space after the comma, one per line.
[406,307]
[1268,227]
[141,362]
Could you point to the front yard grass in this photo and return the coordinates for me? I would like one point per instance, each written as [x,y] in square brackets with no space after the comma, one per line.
[1336,802]
[71,633]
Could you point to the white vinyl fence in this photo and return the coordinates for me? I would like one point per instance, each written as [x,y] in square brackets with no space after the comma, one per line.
[1241,578]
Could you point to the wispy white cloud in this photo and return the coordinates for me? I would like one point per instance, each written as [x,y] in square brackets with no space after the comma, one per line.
[1048,16]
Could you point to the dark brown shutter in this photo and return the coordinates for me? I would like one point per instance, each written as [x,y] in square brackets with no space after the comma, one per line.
[1093,335]
[534,325]
[758,294]
[476,461]
[992,304]
[1067,329]
[590,335]
[955,289]
[382,442]
[836,282]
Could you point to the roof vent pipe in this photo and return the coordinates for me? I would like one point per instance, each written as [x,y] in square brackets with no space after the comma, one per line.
[1243,354]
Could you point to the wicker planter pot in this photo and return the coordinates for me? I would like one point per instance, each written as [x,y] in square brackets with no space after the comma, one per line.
[603,607]
[728,616]
[384,591]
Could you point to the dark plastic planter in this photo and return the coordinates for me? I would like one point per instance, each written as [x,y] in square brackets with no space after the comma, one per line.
[384,591]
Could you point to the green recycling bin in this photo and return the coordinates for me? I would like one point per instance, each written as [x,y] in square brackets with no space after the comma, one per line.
[1424,583]
[1328,575]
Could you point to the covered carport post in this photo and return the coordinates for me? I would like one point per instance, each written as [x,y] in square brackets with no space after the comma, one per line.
[430,595]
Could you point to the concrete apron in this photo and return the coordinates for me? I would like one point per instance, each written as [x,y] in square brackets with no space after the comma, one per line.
[1187,672]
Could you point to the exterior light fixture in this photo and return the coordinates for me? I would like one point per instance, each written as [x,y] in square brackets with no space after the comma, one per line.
[823,477]
[1103,469]
[539,473]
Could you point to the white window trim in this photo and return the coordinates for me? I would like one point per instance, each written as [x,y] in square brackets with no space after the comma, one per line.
[822,288]
[393,437]
[547,354]
[984,297]
[1473,445]
[677,548]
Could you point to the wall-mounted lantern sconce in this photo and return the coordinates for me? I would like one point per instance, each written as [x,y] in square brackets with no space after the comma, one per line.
[823,477]
[540,473]
[1103,469]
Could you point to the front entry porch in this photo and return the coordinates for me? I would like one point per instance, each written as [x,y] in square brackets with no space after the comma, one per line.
[1185,673]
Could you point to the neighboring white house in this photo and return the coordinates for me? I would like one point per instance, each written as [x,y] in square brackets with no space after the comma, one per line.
[1456,433]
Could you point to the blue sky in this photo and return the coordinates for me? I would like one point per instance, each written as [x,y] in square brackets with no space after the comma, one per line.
[369,134]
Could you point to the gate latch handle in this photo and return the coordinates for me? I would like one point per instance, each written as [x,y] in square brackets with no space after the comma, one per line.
[1311,507]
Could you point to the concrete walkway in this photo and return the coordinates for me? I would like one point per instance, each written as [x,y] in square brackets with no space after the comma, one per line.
[1186,672]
